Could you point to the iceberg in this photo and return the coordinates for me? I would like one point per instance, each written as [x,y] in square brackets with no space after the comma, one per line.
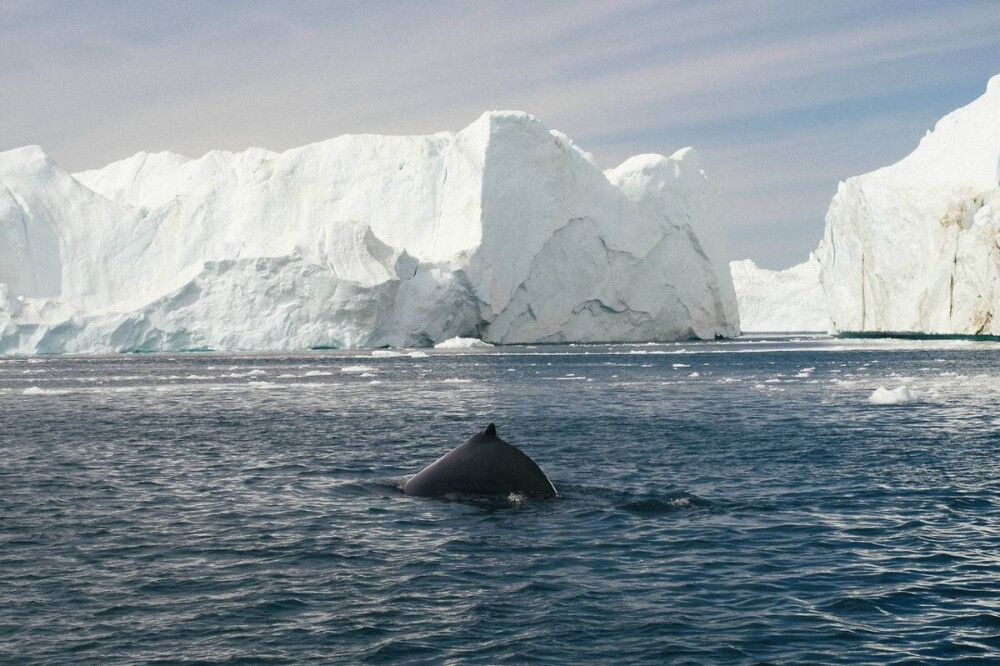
[505,231]
[915,247]
[787,301]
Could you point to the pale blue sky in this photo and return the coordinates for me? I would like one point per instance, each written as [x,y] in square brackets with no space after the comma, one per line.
[782,98]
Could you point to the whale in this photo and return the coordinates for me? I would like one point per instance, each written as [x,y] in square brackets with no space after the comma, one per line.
[484,465]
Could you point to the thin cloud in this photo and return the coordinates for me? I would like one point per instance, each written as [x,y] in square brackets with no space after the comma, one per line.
[768,90]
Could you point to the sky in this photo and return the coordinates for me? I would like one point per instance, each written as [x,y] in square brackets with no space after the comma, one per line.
[783,99]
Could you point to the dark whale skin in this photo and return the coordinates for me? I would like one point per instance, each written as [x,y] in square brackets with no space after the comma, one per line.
[484,465]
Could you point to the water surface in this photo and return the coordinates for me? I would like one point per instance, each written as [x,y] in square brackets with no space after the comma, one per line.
[723,502]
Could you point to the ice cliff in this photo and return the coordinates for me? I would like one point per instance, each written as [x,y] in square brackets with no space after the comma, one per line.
[791,300]
[503,231]
[915,247]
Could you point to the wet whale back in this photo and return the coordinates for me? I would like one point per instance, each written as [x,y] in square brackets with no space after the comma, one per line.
[484,465]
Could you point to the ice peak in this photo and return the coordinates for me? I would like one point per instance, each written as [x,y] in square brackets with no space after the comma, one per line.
[508,116]
[26,159]
[689,156]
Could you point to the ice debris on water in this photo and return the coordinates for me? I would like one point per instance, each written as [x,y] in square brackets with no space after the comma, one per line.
[897,396]
[462,343]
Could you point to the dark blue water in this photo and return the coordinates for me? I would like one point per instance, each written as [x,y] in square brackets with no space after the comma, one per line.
[243,509]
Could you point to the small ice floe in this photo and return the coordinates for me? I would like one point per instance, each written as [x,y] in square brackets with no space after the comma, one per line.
[318,373]
[462,343]
[694,374]
[256,372]
[456,380]
[199,377]
[896,396]
[417,354]
[680,365]
[385,353]
[367,374]
[357,368]
[35,390]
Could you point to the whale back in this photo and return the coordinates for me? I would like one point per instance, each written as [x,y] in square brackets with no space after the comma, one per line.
[484,465]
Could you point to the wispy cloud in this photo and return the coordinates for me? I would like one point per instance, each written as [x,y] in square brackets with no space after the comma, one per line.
[782,97]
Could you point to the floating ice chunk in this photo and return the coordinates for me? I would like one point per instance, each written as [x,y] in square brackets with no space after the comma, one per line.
[417,354]
[694,374]
[321,373]
[456,380]
[250,373]
[34,390]
[681,365]
[462,343]
[897,396]
[385,353]
[357,368]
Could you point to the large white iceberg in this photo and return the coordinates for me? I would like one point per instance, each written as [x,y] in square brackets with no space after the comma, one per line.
[504,231]
[915,247]
[791,300]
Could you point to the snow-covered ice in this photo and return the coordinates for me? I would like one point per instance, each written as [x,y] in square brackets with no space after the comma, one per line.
[505,232]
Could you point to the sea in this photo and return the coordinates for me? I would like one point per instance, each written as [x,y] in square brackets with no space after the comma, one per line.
[720,502]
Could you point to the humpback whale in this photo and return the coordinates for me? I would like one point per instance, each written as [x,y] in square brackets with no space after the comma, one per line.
[484,465]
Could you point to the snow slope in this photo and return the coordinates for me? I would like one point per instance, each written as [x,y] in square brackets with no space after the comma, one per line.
[791,300]
[915,247]
[503,231]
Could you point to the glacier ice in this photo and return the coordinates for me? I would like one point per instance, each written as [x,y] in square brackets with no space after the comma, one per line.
[915,247]
[791,300]
[503,231]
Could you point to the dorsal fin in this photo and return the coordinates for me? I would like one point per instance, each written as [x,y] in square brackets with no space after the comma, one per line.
[491,431]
